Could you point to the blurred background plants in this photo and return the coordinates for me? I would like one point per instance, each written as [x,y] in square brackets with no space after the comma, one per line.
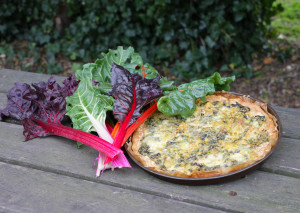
[183,39]
[287,22]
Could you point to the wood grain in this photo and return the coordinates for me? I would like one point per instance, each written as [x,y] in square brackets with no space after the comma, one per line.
[259,191]
[30,190]
[9,77]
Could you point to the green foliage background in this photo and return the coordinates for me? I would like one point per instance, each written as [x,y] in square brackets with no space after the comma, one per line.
[287,22]
[190,38]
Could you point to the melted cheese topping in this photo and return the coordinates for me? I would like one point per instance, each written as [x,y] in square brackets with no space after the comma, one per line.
[218,135]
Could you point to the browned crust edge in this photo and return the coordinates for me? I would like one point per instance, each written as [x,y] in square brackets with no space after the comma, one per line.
[262,151]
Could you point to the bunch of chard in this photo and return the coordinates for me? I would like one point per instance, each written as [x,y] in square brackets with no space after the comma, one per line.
[118,82]
[106,85]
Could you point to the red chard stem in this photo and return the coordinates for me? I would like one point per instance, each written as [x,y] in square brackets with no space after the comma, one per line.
[80,136]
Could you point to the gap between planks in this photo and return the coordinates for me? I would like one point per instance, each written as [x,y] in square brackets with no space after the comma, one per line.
[114,184]
[277,171]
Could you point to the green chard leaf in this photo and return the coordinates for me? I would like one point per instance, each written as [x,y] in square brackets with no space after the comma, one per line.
[182,100]
[166,85]
[100,71]
[87,107]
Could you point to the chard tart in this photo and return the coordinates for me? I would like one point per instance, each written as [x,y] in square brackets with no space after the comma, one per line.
[226,133]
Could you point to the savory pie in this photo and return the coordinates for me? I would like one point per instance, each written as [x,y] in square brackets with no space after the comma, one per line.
[226,133]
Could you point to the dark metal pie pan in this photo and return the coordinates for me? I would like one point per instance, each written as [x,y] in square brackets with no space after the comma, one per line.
[222,178]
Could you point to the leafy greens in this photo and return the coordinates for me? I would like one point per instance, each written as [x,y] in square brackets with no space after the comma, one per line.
[100,71]
[118,82]
[131,93]
[42,109]
[181,101]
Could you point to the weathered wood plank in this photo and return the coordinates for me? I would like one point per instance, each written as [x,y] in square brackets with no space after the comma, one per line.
[29,190]
[289,117]
[259,191]
[8,77]
[3,100]
[285,159]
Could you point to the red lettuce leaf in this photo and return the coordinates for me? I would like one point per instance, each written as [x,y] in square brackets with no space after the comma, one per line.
[19,102]
[71,85]
[46,101]
[51,105]
[51,101]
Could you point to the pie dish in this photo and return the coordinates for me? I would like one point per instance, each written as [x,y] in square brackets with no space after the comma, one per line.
[228,134]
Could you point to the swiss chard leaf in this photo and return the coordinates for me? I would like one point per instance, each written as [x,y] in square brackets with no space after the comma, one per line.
[129,88]
[182,100]
[166,85]
[131,93]
[87,107]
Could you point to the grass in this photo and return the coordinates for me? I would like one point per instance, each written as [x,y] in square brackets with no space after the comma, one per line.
[287,22]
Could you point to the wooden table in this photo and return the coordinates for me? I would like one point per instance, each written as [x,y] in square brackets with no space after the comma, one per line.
[51,175]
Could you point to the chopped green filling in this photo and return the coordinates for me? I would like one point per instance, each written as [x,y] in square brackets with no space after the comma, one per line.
[189,148]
